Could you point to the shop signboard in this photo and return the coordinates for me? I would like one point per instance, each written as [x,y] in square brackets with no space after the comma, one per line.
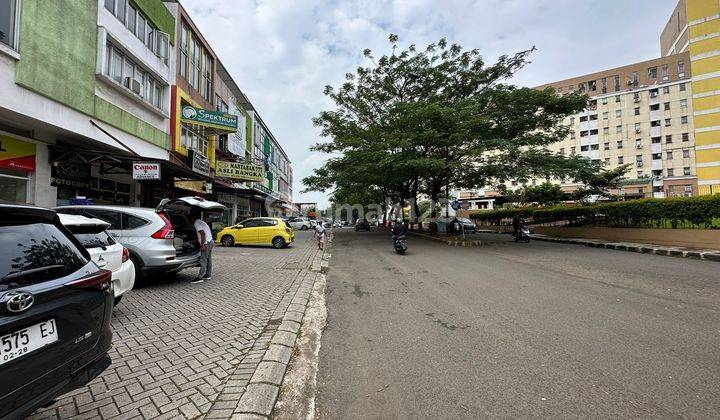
[143,171]
[195,186]
[17,154]
[71,173]
[208,118]
[199,163]
[237,141]
[239,171]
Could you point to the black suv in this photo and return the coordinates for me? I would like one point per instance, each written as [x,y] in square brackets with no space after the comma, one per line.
[55,308]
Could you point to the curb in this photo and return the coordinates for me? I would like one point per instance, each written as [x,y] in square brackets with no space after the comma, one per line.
[669,251]
[261,393]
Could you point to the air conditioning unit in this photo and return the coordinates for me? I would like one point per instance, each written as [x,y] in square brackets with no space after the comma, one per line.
[637,131]
[638,146]
[637,100]
[135,86]
[639,164]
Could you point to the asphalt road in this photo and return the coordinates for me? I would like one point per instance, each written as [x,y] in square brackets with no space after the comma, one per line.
[517,330]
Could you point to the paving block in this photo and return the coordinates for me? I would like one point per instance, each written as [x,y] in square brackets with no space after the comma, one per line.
[294,316]
[258,399]
[289,326]
[269,372]
[278,353]
[244,416]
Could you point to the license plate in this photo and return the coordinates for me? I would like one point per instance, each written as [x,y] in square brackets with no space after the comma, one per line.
[27,340]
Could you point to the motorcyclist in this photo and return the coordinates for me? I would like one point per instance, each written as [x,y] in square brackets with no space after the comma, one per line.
[398,230]
[518,222]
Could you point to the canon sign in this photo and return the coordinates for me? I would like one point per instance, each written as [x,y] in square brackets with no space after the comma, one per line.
[146,170]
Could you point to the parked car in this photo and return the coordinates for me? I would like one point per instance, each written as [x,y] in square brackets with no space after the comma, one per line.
[300,223]
[106,252]
[468,225]
[55,310]
[160,240]
[362,225]
[257,231]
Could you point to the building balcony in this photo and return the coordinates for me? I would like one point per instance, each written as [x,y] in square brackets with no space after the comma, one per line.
[656,148]
[657,164]
[655,131]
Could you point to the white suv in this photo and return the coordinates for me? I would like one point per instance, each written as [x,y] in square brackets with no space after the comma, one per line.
[300,223]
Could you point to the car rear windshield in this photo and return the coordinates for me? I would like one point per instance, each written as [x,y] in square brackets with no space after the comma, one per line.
[34,253]
[92,237]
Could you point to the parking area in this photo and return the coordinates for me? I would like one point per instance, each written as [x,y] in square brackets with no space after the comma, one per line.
[176,344]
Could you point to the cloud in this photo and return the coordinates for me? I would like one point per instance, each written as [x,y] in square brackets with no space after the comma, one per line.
[282,53]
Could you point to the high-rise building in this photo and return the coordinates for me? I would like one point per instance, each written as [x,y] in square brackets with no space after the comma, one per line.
[661,116]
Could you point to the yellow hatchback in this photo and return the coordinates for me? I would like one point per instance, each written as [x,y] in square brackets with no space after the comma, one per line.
[257,231]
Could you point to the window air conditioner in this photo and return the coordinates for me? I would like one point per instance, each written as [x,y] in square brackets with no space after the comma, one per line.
[639,164]
[638,146]
[637,131]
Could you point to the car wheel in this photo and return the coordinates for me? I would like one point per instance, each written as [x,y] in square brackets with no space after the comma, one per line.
[278,242]
[136,265]
[117,300]
[303,227]
[227,240]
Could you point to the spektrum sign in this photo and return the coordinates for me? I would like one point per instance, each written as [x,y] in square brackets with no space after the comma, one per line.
[208,118]
[240,171]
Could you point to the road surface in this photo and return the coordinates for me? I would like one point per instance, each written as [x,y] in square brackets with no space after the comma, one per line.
[516,330]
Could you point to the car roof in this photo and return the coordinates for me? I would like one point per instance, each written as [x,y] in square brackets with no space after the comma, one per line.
[29,213]
[76,220]
[108,207]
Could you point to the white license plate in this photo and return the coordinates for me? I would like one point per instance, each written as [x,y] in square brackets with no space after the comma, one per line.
[22,342]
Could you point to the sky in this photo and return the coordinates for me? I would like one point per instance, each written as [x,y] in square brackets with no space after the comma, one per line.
[282,53]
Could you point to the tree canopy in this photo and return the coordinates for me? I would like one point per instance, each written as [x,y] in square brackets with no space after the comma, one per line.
[417,120]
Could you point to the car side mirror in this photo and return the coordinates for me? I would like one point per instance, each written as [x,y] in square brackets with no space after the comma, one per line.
[239,226]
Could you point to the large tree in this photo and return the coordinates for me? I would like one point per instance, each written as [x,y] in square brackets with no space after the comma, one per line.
[418,121]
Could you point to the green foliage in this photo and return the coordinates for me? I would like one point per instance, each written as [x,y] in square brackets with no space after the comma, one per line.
[545,194]
[416,120]
[698,211]
[599,183]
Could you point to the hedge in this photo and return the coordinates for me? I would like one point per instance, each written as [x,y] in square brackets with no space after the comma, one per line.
[699,211]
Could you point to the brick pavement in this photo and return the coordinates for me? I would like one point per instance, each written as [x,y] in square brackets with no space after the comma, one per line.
[180,349]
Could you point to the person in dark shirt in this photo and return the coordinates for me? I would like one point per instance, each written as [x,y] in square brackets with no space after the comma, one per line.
[398,230]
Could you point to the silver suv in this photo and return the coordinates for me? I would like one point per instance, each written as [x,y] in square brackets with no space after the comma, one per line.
[160,240]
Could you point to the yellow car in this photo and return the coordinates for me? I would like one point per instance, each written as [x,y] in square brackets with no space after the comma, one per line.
[257,231]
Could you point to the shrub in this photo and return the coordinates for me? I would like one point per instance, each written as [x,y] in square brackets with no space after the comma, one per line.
[698,211]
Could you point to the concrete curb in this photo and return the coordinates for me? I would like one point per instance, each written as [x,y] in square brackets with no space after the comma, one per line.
[261,394]
[669,251]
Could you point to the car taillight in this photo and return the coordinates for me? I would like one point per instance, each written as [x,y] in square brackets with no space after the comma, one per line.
[125,255]
[100,280]
[167,231]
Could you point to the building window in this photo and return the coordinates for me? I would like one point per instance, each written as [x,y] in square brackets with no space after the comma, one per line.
[572,150]
[616,79]
[657,156]
[666,106]
[592,85]
[8,11]
[584,148]
[686,153]
[606,131]
[686,171]
[670,172]
[618,129]
[572,120]
[682,87]
[652,72]
[681,69]
[637,110]
[606,146]
[637,127]
[666,89]
[196,64]
[621,160]
[618,113]
[655,140]
[617,99]
[684,119]
[124,71]
[183,52]
[639,159]
[668,138]
[635,79]
[606,115]
[605,100]
[140,26]
[131,18]
[572,135]
[638,143]
[220,105]
[668,122]
[683,103]
[668,155]
[619,144]
[206,88]
[562,151]
[603,87]
[607,161]
[685,137]
[665,73]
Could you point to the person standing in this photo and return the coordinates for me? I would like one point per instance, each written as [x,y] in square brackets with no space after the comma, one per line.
[205,239]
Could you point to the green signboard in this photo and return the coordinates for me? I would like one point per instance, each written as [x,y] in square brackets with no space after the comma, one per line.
[205,117]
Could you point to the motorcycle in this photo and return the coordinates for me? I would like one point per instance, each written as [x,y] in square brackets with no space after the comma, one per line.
[400,244]
[523,234]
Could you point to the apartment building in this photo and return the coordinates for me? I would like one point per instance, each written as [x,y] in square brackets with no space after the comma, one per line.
[640,115]
[661,116]
[694,28]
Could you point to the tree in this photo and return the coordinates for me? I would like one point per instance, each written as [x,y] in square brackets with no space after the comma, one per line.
[600,183]
[545,194]
[420,121]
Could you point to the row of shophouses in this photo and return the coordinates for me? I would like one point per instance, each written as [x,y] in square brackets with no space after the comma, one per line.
[125,102]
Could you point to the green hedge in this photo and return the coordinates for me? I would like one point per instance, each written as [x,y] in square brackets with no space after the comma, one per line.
[699,211]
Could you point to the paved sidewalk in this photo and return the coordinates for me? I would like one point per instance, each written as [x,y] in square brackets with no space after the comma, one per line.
[185,350]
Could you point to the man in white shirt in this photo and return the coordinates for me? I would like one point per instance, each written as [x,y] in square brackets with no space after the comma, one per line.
[320,234]
[205,239]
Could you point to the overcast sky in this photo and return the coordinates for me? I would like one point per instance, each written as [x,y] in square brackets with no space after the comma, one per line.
[282,53]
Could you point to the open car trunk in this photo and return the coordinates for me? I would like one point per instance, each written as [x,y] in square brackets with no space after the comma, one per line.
[177,211]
